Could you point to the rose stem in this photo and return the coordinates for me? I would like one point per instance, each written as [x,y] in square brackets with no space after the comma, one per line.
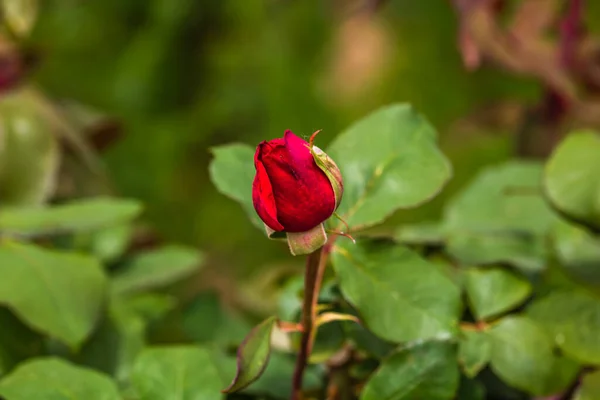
[313,277]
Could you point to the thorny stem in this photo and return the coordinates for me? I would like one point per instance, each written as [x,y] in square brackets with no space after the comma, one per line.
[315,268]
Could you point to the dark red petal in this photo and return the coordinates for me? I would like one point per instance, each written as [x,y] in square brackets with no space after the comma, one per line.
[262,194]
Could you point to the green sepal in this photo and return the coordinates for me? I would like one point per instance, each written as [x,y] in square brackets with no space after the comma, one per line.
[307,242]
[327,165]
[275,235]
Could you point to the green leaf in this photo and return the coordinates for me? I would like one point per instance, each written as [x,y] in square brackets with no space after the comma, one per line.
[493,291]
[502,198]
[500,217]
[20,15]
[177,373]
[421,371]
[389,160]
[470,389]
[523,357]
[573,318]
[57,293]
[590,387]
[29,150]
[17,341]
[205,320]
[578,252]
[276,380]
[399,295]
[55,379]
[76,216]
[232,172]
[572,178]
[526,252]
[253,355]
[474,352]
[421,233]
[157,268]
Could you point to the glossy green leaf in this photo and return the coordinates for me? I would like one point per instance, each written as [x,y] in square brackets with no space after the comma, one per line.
[578,253]
[78,215]
[232,172]
[493,291]
[157,268]
[38,285]
[572,177]
[177,373]
[399,295]
[589,388]
[474,352]
[421,371]
[389,160]
[55,379]
[573,318]
[522,356]
[253,355]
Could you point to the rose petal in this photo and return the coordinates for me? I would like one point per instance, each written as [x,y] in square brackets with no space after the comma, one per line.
[262,193]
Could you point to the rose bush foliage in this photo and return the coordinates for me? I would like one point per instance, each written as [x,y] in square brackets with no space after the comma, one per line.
[500,297]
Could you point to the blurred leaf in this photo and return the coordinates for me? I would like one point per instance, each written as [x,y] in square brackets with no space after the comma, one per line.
[500,217]
[115,344]
[206,320]
[157,268]
[29,151]
[52,378]
[108,244]
[367,341]
[522,356]
[572,177]
[178,373]
[121,334]
[398,295]
[573,318]
[17,341]
[578,252]
[389,160]
[276,380]
[253,355]
[232,172]
[589,388]
[473,352]
[493,291]
[421,233]
[329,340]
[421,371]
[60,294]
[470,389]
[20,15]
[502,198]
[526,252]
[78,215]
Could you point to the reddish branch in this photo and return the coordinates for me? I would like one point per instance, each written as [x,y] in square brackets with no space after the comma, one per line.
[315,268]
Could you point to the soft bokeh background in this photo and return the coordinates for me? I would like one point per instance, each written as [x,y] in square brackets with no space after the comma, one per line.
[181,76]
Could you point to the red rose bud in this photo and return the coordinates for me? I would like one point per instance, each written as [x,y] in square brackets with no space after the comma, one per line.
[296,188]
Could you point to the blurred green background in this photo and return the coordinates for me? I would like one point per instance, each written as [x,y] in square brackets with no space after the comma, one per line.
[181,76]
